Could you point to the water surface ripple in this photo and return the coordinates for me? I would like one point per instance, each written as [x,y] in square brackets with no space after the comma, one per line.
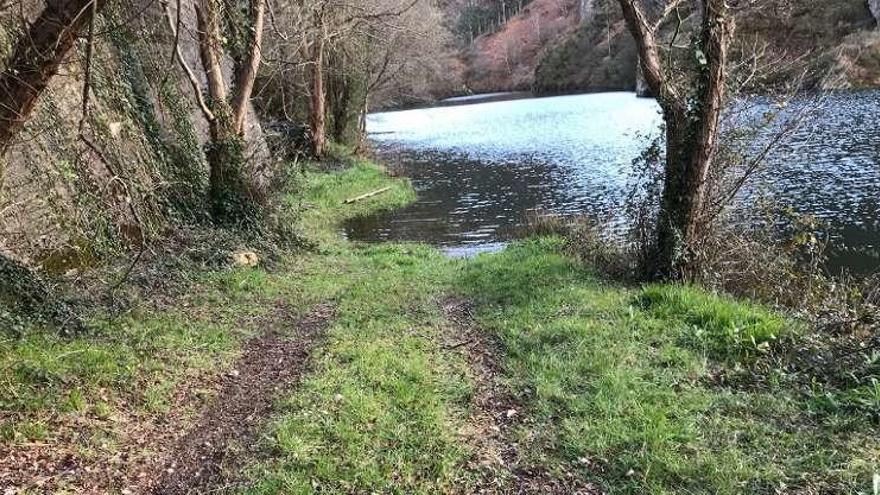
[480,167]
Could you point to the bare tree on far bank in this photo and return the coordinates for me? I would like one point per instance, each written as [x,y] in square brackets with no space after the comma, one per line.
[330,57]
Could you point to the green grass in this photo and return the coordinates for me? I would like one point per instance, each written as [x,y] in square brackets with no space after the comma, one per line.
[623,384]
[630,388]
[130,365]
[323,195]
[620,385]
[725,329]
[385,401]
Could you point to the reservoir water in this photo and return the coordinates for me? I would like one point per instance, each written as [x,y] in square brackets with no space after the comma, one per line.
[480,167]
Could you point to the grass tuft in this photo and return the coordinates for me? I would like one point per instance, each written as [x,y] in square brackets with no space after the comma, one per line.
[725,328]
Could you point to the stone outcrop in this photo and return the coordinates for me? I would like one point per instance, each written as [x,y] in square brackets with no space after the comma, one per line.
[140,160]
[586,10]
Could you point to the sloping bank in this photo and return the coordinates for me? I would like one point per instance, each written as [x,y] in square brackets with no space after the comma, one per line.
[516,372]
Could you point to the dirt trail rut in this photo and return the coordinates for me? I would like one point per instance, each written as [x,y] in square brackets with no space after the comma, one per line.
[209,457]
[497,412]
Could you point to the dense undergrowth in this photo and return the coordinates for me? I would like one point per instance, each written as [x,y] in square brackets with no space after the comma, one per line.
[654,389]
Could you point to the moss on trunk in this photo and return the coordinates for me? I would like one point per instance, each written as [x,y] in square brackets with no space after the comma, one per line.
[232,200]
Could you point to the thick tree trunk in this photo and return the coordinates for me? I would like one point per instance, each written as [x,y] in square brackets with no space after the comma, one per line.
[681,203]
[36,58]
[317,109]
[231,198]
[692,116]
[691,146]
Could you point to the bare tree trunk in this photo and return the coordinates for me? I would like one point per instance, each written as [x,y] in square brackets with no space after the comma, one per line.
[317,110]
[35,60]
[231,197]
[362,121]
[247,76]
[691,131]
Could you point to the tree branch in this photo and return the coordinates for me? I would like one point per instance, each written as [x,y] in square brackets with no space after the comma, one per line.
[649,53]
[244,86]
[193,80]
[210,49]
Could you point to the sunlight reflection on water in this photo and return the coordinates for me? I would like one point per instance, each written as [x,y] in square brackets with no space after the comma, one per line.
[480,167]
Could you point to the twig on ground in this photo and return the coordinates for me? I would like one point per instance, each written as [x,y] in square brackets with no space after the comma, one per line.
[367,195]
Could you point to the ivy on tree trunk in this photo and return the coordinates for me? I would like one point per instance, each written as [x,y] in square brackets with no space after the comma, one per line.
[692,113]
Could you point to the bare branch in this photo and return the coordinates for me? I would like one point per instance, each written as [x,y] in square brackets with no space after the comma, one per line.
[193,80]
[210,49]
[87,74]
[245,84]
[649,53]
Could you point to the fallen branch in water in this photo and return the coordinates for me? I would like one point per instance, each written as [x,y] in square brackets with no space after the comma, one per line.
[365,196]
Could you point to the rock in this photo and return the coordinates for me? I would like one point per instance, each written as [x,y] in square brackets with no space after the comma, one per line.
[642,89]
[115,129]
[245,259]
[874,7]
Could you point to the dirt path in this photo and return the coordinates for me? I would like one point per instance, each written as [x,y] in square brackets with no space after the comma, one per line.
[209,457]
[497,413]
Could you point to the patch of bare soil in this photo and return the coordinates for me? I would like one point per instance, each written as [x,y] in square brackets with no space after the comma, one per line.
[96,454]
[496,414]
[210,456]
[132,452]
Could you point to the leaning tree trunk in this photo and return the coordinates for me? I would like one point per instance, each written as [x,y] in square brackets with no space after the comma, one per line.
[317,109]
[34,61]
